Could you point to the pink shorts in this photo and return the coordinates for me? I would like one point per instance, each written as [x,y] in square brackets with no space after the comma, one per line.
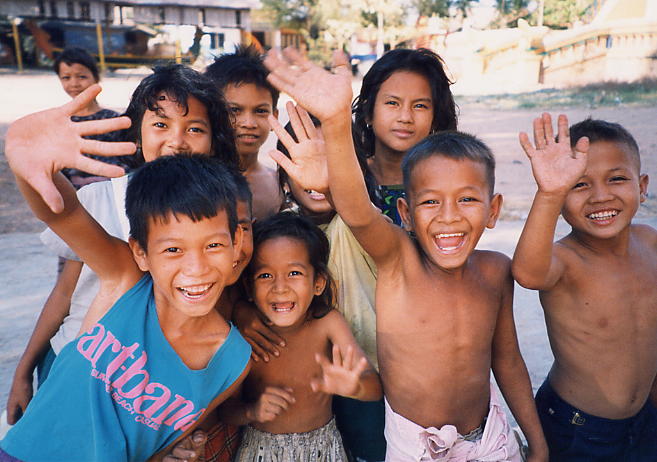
[408,441]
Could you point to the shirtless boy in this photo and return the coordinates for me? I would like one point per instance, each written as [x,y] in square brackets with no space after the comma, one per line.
[250,99]
[444,310]
[598,290]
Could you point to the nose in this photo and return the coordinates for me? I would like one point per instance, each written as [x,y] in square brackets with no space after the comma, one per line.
[405,114]
[449,212]
[177,140]
[279,286]
[247,120]
[195,264]
[600,193]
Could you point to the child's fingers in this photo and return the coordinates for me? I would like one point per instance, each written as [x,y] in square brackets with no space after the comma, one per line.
[307,122]
[526,144]
[539,133]
[296,58]
[43,184]
[323,361]
[286,164]
[82,100]
[337,356]
[295,121]
[96,167]
[280,396]
[361,366]
[282,134]
[349,357]
[96,127]
[263,342]
[107,148]
[581,147]
[547,124]
[340,63]
[280,83]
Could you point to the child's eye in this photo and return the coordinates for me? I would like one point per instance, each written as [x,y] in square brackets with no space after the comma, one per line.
[234,110]
[66,77]
[246,228]
[263,276]
[159,125]
[296,273]
[468,199]
[215,245]
[196,130]
[429,202]
[172,250]
[618,179]
[392,103]
[262,111]
[579,185]
[421,106]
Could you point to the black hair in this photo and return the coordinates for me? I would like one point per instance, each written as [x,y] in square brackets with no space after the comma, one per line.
[76,55]
[180,82]
[243,66]
[193,185]
[293,226]
[601,130]
[242,190]
[452,145]
[421,61]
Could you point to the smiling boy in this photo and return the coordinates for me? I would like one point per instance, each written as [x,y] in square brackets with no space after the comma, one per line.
[598,291]
[444,310]
[242,78]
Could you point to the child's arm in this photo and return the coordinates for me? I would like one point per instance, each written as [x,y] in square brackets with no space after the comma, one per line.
[263,340]
[512,376]
[52,315]
[273,402]
[328,97]
[348,373]
[557,168]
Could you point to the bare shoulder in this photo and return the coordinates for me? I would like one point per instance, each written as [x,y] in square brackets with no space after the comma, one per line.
[492,264]
[646,234]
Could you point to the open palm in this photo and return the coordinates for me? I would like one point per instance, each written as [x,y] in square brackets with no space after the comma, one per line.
[322,93]
[556,165]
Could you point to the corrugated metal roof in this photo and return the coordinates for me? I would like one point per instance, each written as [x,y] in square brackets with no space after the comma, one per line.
[235,4]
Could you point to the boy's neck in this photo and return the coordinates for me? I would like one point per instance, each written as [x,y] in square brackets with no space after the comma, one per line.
[386,165]
[249,162]
[455,274]
[617,245]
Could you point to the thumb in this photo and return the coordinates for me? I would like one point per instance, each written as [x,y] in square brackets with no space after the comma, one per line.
[581,147]
[82,100]
[340,63]
[45,187]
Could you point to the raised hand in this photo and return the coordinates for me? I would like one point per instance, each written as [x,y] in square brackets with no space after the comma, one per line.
[41,144]
[272,403]
[306,165]
[342,375]
[555,164]
[322,93]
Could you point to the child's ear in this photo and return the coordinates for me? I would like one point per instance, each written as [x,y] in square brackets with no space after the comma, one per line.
[319,284]
[405,214]
[275,112]
[643,187]
[495,209]
[139,254]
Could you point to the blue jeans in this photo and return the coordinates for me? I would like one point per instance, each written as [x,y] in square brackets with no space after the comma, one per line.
[574,436]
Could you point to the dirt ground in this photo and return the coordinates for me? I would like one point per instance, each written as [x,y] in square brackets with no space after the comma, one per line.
[27,270]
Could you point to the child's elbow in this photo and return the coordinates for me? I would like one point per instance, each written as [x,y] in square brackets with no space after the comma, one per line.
[525,278]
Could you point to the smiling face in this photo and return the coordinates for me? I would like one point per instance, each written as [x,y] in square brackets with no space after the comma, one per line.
[75,78]
[190,262]
[284,281]
[448,207]
[403,112]
[170,130]
[607,197]
[249,106]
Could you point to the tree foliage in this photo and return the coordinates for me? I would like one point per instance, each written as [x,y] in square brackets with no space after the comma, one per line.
[441,7]
[563,13]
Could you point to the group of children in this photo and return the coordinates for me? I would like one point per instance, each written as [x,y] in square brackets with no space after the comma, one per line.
[366,322]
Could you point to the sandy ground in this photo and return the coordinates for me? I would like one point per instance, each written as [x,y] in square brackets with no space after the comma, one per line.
[27,270]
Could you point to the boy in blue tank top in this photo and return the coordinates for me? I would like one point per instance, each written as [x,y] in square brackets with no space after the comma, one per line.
[154,356]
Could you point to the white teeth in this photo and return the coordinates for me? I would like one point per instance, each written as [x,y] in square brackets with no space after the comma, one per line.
[605,214]
[195,290]
[443,236]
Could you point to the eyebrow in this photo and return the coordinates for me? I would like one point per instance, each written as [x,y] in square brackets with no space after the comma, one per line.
[389,95]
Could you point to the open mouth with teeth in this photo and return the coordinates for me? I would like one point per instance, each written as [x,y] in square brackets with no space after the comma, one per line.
[449,242]
[603,216]
[283,307]
[314,195]
[247,137]
[196,292]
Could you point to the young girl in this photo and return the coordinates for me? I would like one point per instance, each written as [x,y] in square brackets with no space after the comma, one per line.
[77,71]
[287,402]
[404,97]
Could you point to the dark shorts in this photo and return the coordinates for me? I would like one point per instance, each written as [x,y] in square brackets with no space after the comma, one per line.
[4,457]
[575,436]
[361,425]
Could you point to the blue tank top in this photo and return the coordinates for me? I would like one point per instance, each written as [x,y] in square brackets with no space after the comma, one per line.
[120,392]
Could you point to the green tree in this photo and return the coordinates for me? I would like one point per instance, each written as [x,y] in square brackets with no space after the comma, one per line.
[441,7]
[560,14]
